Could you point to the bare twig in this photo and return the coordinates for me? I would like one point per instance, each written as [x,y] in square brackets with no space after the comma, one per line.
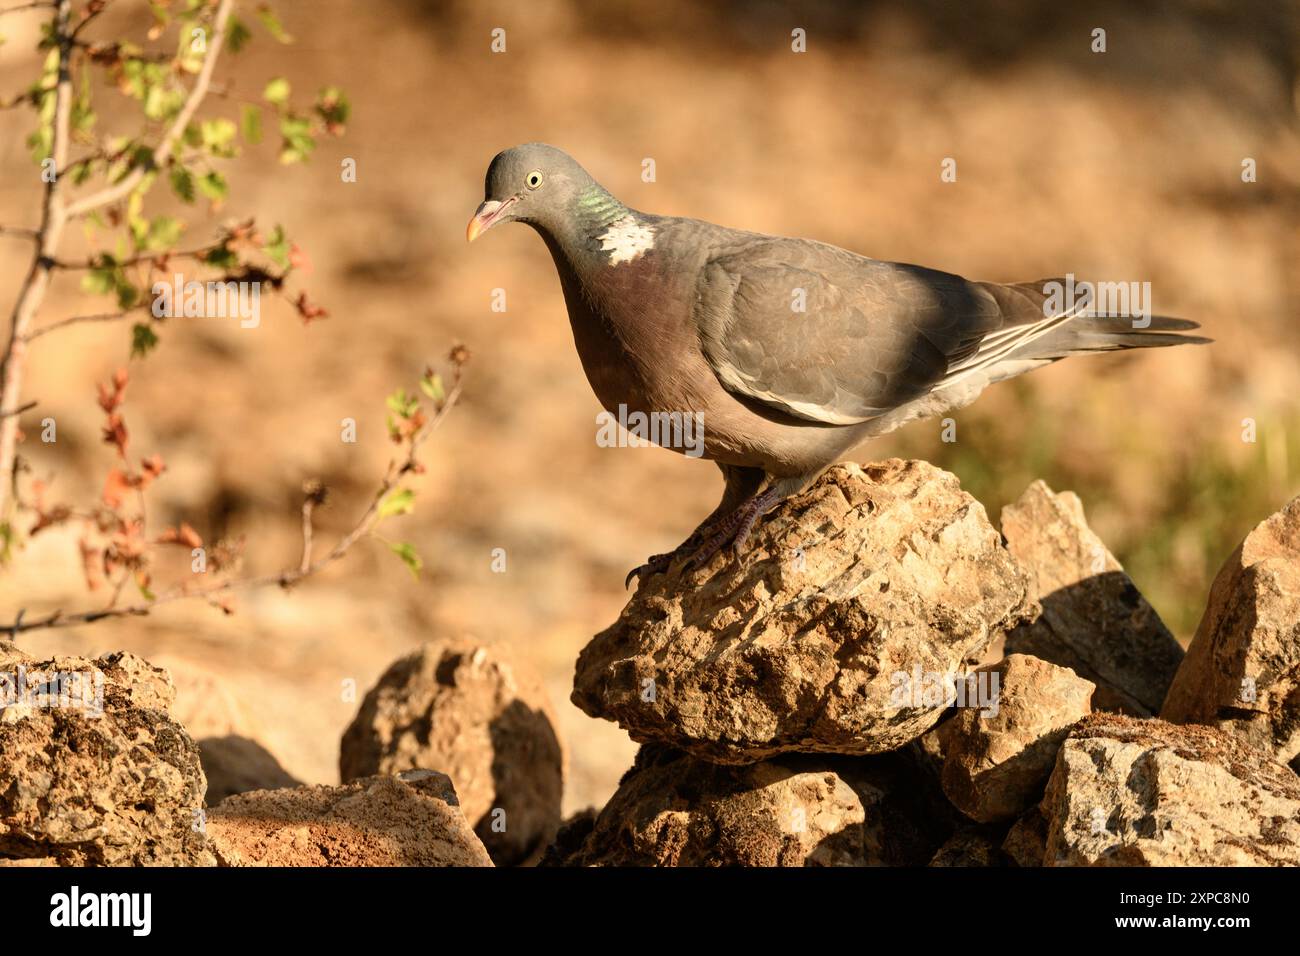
[315,493]
[286,578]
[18,233]
[164,148]
[149,257]
[5,413]
[88,16]
[35,5]
[79,319]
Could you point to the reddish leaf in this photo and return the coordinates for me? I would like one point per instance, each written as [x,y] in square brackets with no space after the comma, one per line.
[308,309]
[298,258]
[150,468]
[115,433]
[116,486]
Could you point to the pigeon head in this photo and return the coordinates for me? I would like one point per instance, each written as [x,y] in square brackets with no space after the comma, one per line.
[539,185]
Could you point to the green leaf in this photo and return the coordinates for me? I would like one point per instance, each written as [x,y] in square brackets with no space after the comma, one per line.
[144,588]
[272,24]
[101,279]
[409,557]
[143,340]
[182,181]
[277,248]
[82,171]
[161,103]
[400,403]
[127,294]
[7,541]
[298,140]
[277,91]
[83,116]
[400,502]
[135,220]
[222,257]
[158,234]
[218,136]
[237,34]
[250,124]
[431,385]
[333,107]
[214,186]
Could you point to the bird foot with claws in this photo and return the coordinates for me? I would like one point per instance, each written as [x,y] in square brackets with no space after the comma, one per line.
[655,564]
[734,530]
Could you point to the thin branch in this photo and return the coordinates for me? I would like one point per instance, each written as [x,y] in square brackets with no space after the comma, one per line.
[285,578]
[35,5]
[151,257]
[79,319]
[174,132]
[315,494]
[5,413]
[19,233]
[88,16]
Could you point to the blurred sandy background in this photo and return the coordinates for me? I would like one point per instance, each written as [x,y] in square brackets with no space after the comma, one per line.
[1124,165]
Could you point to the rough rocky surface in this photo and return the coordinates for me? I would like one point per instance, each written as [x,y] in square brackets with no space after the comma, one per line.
[807,642]
[1094,620]
[573,833]
[675,810]
[1242,671]
[1129,792]
[115,789]
[460,707]
[997,758]
[970,846]
[1026,841]
[412,819]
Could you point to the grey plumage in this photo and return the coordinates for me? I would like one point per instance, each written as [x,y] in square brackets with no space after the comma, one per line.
[794,351]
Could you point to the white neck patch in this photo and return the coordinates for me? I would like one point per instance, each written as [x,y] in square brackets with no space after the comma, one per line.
[626,239]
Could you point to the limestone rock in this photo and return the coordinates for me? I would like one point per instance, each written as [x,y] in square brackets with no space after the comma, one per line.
[1242,671]
[100,774]
[672,809]
[970,846]
[1026,842]
[1131,792]
[462,708]
[412,819]
[825,635]
[1094,620]
[573,833]
[998,757]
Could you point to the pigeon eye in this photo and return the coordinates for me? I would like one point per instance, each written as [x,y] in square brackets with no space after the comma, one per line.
[533,179]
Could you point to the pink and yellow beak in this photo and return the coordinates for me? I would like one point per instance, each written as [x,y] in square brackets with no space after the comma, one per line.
[485,217]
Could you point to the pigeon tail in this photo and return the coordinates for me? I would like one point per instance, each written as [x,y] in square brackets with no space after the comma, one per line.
[1102,333]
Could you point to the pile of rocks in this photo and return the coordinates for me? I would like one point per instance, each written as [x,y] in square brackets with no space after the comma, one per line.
[96,769]
[882,678]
